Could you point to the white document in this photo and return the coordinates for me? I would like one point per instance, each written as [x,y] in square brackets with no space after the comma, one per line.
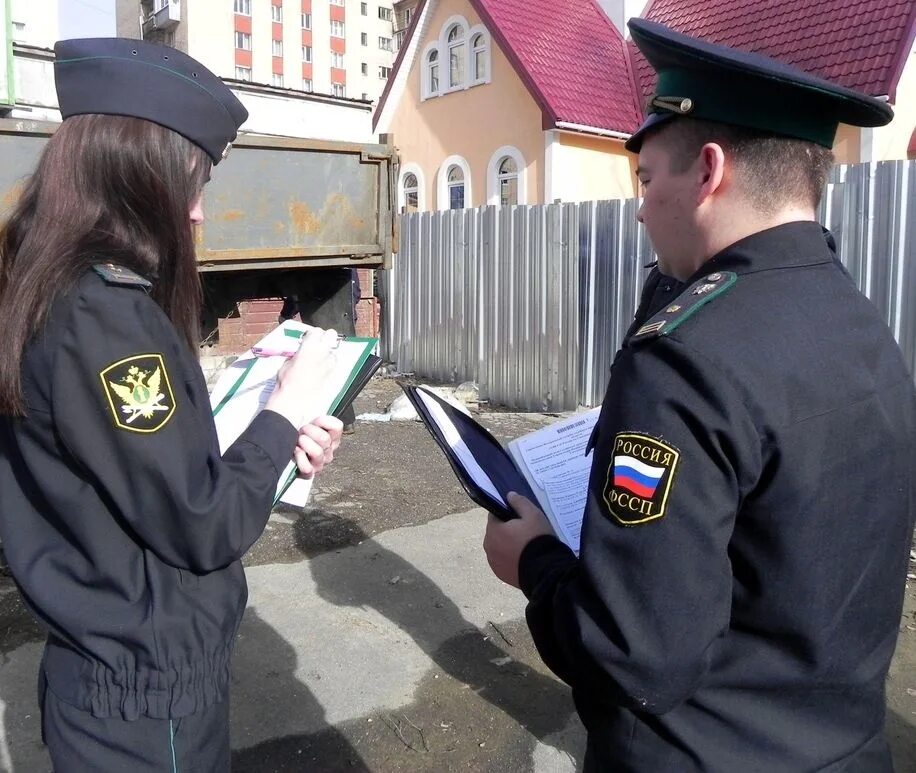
[245,386]
[554,463]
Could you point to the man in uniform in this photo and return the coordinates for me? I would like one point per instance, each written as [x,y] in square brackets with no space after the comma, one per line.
[737,598]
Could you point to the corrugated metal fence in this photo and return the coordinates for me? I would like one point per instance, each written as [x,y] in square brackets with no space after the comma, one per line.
[532,302]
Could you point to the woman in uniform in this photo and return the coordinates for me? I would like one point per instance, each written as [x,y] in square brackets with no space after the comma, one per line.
[122,523]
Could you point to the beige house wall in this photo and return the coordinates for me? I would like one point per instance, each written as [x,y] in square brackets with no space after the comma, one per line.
[847,147]
[890,142]
[472,124]
[592,169]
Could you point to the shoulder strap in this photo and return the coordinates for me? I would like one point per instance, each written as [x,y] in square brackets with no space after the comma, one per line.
[688,303]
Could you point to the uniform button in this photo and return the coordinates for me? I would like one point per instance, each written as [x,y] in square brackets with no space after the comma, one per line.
[714,277]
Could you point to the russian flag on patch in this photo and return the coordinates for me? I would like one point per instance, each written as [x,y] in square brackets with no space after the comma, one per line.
[637,477]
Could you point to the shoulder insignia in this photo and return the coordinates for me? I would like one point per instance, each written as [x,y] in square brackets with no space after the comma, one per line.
[688,303]
[640,478]
[118,275]
[139,393]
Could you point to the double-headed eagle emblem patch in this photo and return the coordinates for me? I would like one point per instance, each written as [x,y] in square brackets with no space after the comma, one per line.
[139,393]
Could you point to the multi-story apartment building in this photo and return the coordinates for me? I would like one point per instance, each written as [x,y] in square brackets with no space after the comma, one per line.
[404,11]
[340,47]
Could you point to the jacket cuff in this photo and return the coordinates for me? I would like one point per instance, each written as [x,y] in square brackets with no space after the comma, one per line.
[274,435]
[542,553]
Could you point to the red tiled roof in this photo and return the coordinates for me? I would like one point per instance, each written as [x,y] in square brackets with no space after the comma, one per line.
[860,44]
[571,57]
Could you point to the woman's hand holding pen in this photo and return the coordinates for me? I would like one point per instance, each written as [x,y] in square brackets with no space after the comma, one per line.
[300,384]
[302,378]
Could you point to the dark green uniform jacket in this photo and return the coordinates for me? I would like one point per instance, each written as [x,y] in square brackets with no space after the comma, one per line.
[121,523]
[751,504]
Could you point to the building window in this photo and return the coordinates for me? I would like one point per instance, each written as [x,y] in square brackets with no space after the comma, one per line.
[364,9]
[306,53]
[365,97]
[456,56]
[337,60]
[306,21]
[276,13]
[479,58]
[411,193]
[508,181]
[384,43]
[278,79]
[276,48]
[384,72]
[364,38]
[242,73]
[455,188]
[407,17]
[338,29]
[432,69]
[307,85]
[399,39]
[243,7]
[339,89]
[365,68]
[384,14]
[337,2]
[243,41]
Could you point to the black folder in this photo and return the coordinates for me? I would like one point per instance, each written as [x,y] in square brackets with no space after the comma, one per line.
[486,450]
[365,373]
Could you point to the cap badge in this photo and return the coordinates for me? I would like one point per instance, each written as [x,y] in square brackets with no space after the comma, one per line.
[680,105]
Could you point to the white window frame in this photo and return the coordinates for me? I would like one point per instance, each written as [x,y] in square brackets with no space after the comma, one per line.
[486,49]
[243,7]
[493,174]
[339,89]
[384,43]
[307,54]
[364,9]
[241,38]
[385,14]
[384,72]
[426,90]
[364,38]
[442,197]
[337,60]
[243,73]
[337,2]
[416,171]
[364,68]
[277,80]
[308,85]
[306,21]
[338,29]
[461,42]
[276,48]
[276,13]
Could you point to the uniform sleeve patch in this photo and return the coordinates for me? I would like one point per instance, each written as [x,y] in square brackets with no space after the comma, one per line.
[139,393]
[640,478]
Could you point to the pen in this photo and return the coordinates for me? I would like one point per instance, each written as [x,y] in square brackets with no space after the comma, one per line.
[260,351]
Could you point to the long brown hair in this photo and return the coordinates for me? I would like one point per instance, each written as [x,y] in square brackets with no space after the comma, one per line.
[107,189]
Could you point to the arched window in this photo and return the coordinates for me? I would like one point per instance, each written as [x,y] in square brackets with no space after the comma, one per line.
[411,193]
[507,178]
[479,58]
[455,187]
[432,72]
[456,56]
